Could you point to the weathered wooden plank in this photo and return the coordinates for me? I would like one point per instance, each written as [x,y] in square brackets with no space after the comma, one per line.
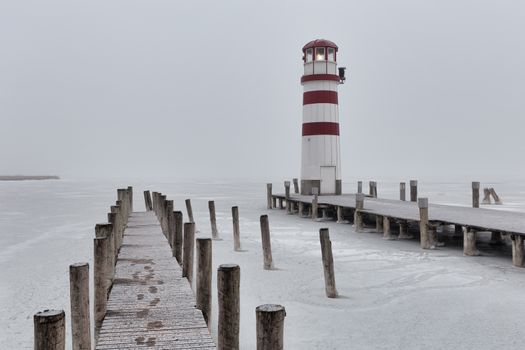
[151,305]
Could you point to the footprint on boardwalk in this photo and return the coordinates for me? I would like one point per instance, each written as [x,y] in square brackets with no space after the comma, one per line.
[140,296]
[155,325]
[142,313]
[151,342]
[154,302]
[153,289]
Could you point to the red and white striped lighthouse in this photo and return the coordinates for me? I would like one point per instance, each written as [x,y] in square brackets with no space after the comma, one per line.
[321,159]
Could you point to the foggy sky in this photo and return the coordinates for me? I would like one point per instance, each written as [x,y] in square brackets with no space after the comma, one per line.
[210,89]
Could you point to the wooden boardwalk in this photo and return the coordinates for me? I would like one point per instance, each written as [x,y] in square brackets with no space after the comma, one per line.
[477,218]
[151,305]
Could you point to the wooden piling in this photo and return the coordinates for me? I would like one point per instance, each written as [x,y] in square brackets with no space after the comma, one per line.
[213,219]
[402,191]
[423,223]
[189,210]
[236,229]
[403,230]
[177,240]
[266,242]
[497,200]
[296,185]
[203,283]
[518,259]
[270,326]
[486,196]
[328,263]
[50,330]
[79,298]
[359,186]
[469,242]
[100,280]
[105,230]
[379,223]
[228,283]
[187,256]
[167,214]
[386,228]
[171,228]
[315,207]
[340,216]
[112,219]
[130,199]
[287,197]
[372,189]
[269,203]
[413,190]
[358,215]
[300,209]
[475,194]
[147,201]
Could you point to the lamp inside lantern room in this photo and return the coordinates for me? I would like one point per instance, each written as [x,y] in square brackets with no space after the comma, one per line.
[319,54]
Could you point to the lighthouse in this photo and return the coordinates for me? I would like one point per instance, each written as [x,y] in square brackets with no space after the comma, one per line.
[321,159]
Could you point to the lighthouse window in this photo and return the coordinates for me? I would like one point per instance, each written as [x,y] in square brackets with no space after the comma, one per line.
[331,54]
[309,55]
[319,54]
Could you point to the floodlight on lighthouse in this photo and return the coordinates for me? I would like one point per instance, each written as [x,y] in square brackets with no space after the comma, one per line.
[342,77]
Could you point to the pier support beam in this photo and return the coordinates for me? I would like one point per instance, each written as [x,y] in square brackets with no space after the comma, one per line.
[315,209]
[379,223]
[301,209]
[403,230]
[386,228]
[340,215]
[469,242]
[496,238]
[518,259]
[425,239]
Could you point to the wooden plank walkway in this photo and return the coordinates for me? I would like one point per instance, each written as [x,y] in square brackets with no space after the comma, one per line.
[477,218]
[151,305]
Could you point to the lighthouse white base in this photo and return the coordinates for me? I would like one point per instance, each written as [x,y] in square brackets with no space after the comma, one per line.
[308,185]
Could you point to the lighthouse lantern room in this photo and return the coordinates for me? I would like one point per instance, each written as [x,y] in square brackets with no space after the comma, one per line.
[321,159]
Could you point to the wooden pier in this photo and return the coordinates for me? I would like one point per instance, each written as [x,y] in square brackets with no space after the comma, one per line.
[400,215]
[151,305]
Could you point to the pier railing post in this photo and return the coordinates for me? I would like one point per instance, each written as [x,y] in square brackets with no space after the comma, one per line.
[358,215]
[171,228]
[203,283]
[112,219]
[187,256]
[266,242]
[315,201]
[50,330]
[147,200]
[402,191]
[518,259]
[270,326]
[228,283]
[287,196]
[486,196]
[189,210]
[359,186]
[413,190]
[106,231]
[130,199]
[475,194]
[423,224]
[100,280]
[236,229]
[167,214]
[79,298]
[177,241]
[269,202]
[328,263]
[213,220]
[296,185]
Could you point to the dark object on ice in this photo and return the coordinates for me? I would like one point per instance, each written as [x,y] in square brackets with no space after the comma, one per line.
[28,177]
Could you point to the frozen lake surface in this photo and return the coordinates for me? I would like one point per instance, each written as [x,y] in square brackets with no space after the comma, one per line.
[393,295]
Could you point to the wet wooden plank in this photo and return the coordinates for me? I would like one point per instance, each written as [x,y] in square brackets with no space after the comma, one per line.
[151,305]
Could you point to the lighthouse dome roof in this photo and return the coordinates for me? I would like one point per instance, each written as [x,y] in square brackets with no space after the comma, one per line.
[320,43]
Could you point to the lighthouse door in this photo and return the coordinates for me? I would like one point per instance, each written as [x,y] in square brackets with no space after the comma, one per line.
[328,180]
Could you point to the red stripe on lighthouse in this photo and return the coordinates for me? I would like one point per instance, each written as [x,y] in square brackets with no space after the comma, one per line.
[313,77]
[322,96]
[320,128]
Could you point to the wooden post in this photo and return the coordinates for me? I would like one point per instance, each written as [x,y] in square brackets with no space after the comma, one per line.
[177,240]
[189,210]
[203,283]
[295,185]
[287,196]
[300,209]
[228,283]
[274,202]
[50,330]
[413,190]
[187,257]
[266,243]
[236,229]
[112,219]
[270,326]
[379,223]
[130,199]
[147,201]
[496,238]
[386,228]
[340,216]
[469,242]
[423,223]
[328,263]
[486,196]
[517,250]
[213,220]
[100,280]
[358,215]
[269,196]
[402,191]
[105,231]
[475,194]
[359,186]
[79,297]
[167,214]
[281,205]
[315,211]
[171,228]
[117,226]
[403,230]
[497,200]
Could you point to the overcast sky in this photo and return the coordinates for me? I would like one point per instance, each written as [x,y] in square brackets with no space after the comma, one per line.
[210,89]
